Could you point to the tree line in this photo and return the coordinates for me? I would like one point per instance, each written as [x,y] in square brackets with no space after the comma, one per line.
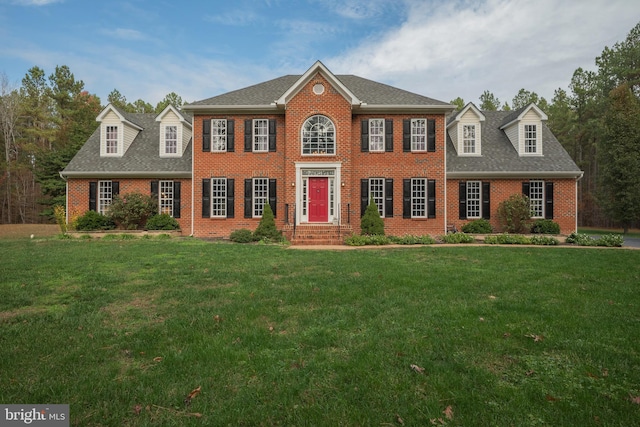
[45,121]
[597,120]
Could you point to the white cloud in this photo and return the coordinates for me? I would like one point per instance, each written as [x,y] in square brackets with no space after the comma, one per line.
[125,34]
[35,2]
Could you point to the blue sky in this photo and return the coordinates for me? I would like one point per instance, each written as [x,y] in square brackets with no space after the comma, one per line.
[198,49]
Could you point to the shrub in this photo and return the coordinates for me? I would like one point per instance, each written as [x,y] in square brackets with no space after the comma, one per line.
[162,222]
[545,226]
[241,236]
[267,226]
[409,239]
[61,218]
[130,211]
[478,226]
[457,237]
[544,240]
[610,240]
[375,239]
[514,214]
[371,223]
[507,239]
[355,240]
[92,221]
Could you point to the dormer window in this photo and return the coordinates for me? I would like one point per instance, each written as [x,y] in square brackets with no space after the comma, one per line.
[524,129]
[111,139]
[469,139]
[171,139]
[530,139]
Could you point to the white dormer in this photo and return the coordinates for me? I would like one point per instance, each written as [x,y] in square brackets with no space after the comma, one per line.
[525,131]
[116,132]
[465,131]
[175,132]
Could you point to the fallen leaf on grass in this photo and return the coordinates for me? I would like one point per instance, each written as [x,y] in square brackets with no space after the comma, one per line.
[137,409]
[417,368]
[157,359]
[492,297]
[536,338]
[194,393]
[635,399]
[550,398]
[448,412]
[217,318]
[399,420]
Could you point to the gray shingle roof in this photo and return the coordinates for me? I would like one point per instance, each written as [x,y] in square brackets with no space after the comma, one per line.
[500,158]
[368,91]
[141,159]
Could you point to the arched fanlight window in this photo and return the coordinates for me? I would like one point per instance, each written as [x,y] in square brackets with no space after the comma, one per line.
[318,136]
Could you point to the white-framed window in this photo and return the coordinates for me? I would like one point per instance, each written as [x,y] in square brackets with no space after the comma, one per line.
[260,195]
[318,136]
[105,196]
[474,199]
[219,135]
[418,197]
[165,198]
[469,139]
[219,197]
[171,139]
[536,198]
[418,134]
[260,136]
[376,192]
[376,134]
[530,139]
[111,140]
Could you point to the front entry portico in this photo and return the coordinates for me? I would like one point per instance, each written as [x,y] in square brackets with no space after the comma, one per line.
[318,193]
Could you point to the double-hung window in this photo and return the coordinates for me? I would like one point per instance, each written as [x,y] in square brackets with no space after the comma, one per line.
[376,193]
[105,196]
[418,134]
[111,140]
[418,197]
[530,139]
[165,198]
[376,134]
[219,197]
[171,139]
[219,135]
[474,199]
[469,139]
[260,195]
[536,198]
[260,135]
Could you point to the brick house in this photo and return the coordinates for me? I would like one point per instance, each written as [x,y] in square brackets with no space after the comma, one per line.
[317,147]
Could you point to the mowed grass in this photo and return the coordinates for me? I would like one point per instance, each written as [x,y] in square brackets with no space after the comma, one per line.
[124,331]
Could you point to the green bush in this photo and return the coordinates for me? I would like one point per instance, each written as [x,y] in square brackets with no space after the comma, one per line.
[544,240]
[355,240]
[514,214]
[458,237]
[507,239]
[409,239]
[545,226]
[371,224]
[241,236]
[368,240]
[267,227]
[162,222]
[610,240]
[93,221]
[130,211]
[478,226]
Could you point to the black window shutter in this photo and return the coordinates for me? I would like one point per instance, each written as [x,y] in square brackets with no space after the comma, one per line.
[93,196]
[431,198]
[176,199]
[248,134]
[206,135]
[486,200]
[406,135]
[115,188]
[526,188]
[273,199]
[548,195]
[231,197]
[364,137]
[272,137]
[406,198]
[388,135]
[206,199]
[231,136]
[248,197]
[462,199]
[388,198]
[154,189]
[364,195]
[431,135]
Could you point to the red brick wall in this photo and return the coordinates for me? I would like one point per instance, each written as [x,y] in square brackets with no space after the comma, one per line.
[78,196]
[564,201]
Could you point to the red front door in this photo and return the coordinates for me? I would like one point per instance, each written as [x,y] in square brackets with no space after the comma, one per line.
[318,199]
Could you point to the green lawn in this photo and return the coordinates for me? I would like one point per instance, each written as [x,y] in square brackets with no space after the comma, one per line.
[125,330]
